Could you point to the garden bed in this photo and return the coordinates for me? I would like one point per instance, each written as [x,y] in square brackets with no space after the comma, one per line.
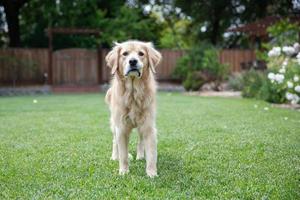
[26,90]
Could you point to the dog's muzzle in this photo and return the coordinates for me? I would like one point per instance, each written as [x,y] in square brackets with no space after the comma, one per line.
[133,68]
[133,71]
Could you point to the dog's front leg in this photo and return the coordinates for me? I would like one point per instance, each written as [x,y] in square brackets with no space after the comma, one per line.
[150,141]
[115,152]
[140,147]
[122,135]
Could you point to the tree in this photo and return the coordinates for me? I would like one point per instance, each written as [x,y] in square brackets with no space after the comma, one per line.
[212,18]
[12,9]
[116,20]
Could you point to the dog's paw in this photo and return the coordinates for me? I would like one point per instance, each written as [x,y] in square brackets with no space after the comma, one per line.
[151,173]
[140,157]
[114,157]
[123,171]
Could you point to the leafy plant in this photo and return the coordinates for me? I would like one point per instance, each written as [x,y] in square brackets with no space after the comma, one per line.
[200,65]
[282,83]
[252,82]
[285,72]
[193,81]
[281,33]
[235,82]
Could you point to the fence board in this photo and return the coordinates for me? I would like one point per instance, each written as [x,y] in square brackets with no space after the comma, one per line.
[86,70]
[75,67]
[33,62]
[235,57]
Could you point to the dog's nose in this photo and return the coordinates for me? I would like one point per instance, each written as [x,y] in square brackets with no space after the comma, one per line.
[133,62]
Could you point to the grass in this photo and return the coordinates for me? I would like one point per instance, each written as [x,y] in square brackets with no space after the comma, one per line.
[209,148]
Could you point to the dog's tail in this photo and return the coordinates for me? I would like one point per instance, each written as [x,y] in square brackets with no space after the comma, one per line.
[108,96]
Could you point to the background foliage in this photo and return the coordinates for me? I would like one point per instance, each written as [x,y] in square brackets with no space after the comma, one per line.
[200,65]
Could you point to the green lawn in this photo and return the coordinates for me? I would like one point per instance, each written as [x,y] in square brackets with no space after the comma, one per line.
[209,148]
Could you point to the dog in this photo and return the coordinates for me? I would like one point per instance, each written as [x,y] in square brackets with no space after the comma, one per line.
[132,101]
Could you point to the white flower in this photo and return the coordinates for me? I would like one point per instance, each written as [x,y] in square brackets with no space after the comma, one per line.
[296,78]
[295,99]
[288,50]
[279,78]
[282,70]
[274,52]
[285,62]
[289,96]
[296,47]
[298,58]
[290,84]
[285,118]
[297,88]
[35,101]
[271,76]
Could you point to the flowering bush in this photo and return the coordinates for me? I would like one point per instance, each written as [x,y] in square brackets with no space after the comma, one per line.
[284,65]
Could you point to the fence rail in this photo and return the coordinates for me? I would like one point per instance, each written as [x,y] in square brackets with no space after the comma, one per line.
[235,58]
[39,57]
[32,64]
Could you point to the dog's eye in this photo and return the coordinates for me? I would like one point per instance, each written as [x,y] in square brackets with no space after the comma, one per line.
[141,53]
[125,53]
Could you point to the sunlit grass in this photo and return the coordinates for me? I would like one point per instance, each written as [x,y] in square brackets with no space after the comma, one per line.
[59,146]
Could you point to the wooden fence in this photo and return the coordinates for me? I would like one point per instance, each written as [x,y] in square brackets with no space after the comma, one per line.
[87,66]
[236,57]
[75,67]
[28,65]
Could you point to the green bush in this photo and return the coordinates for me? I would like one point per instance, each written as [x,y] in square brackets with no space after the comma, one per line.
[252,83]
[193,81]
[235,82]
[200,65]
[256,85]
[281,33]
[270,93]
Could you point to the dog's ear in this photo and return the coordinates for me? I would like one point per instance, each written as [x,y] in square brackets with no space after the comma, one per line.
[112,58]
[154,56]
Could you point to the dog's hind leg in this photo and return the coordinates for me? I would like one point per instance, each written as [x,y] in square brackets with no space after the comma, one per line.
[140,150]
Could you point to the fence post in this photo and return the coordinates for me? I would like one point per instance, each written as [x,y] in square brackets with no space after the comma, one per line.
[50,49]
[99,62]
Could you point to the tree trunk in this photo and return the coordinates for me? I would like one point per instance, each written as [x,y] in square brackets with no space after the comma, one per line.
[12,14]
[12,8]
[215,31]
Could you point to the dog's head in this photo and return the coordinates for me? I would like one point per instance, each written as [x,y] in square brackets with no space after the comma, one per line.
[133,58]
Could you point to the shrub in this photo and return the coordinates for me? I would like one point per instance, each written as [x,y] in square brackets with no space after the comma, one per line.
[193,81]
[284,64]
[200,65]
[235,82]
[270,93]
[281,84]
[281,33]
[252,82]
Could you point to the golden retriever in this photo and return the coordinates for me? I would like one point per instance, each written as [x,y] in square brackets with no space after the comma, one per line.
[131,99]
